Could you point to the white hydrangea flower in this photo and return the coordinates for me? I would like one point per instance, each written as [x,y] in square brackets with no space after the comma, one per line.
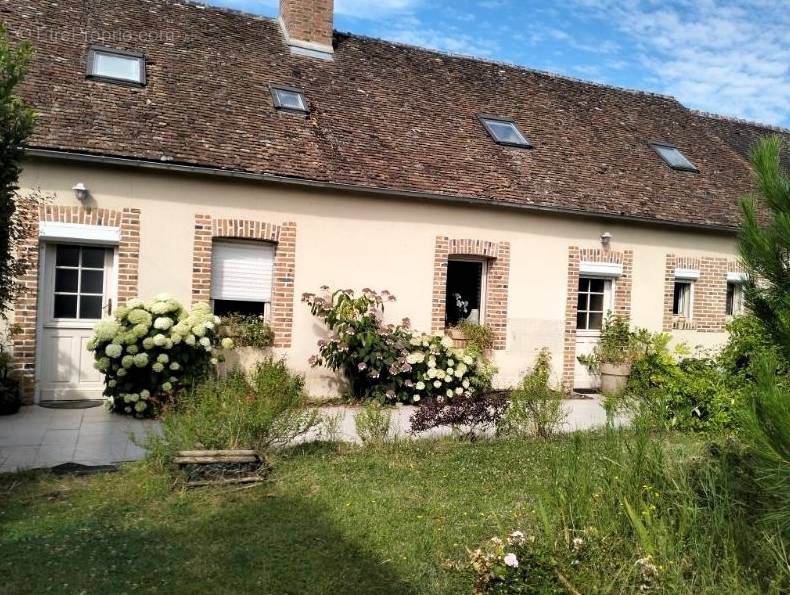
[105,330]
[163,323]
[468,360]
[157,367]
[465,383]
[144,394]
[134,397]
[175,366]
[140,406]
[190,339]
[166,386]
[450,363]
[416,357]
[431,373]
[205,342]
[91,344]
[162,358]
[168,344]
[440,374]
[431,362]
[214,361]
[121,372]
[437,384]
[450,371]
[134,303]
[148,343]
[114,351]
[415,341]
[112,383]
[127,361]
[227,343]
[420,385]
[159,339]
[141,360]
[449,392]
[447,342]
[415,398]
[459,391]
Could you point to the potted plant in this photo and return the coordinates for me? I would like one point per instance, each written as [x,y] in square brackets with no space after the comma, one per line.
[10,400]
[614,355]
[472,336]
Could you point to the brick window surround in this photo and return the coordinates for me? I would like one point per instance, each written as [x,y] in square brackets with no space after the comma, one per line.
[497,254]
[709,293]
[25,307]
[283,275]
[621,299]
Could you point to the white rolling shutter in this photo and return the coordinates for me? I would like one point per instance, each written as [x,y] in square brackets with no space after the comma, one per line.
[242,271]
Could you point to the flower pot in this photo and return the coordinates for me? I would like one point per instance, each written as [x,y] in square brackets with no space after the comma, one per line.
[458,337]
[614,377]
[10,401]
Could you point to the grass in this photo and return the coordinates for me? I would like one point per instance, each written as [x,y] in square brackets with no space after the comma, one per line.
[339,519]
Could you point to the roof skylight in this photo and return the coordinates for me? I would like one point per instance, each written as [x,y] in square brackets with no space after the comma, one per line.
[673,157]
[505,132]
[116,65]
[287,98]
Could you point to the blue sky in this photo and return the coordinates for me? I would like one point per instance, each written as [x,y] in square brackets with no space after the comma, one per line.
[724,56]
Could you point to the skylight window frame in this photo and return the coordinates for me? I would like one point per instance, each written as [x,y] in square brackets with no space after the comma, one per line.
[484,120]
[91,75]
[655,144]
[278,105]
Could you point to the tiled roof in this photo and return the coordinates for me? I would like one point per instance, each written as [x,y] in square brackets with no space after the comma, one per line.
[381,115]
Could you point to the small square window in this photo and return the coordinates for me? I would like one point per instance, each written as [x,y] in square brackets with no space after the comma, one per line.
[505,132]
[116,65]
[673,157]
[286,98]
[681,300]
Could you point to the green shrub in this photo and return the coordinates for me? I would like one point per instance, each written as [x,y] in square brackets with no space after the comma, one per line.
[479,337]
[263,409]
[372,423]
[149,351]
[747,342]
[617,345]
[534,409]
[248,330]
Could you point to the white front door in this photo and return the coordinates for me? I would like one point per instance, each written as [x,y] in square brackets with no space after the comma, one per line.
[594,300]
[76,291]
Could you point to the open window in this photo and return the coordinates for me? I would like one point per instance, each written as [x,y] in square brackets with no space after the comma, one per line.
[241,277]
[681,299]
[734,304]
[464,299]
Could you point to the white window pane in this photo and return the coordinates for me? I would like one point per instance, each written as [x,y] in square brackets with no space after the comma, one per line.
[290,99]
[674,157]
[116,66]
[506,132]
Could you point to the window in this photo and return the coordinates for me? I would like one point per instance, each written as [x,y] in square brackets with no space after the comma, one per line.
[505,132]
[79,282]
[673,157]
[465,291]
[116,65]
[734,305]
[681,300]
[241,277]
[286,98]
[592,303]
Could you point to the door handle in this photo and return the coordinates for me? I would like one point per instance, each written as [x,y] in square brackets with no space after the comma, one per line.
[109,306]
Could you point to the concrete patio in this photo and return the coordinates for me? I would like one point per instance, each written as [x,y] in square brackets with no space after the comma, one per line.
[37,437]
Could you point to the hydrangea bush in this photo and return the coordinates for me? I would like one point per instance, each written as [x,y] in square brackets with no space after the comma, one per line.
[147,351]
[390,362]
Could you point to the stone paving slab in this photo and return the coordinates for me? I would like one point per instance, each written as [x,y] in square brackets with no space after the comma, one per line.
[38,437]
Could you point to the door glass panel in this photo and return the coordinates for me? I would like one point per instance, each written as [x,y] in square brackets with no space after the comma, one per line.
[79,282]
[581,320]
[66,280]
[93,258]
[596,285]
[68,256]
[92,282]
[90,306]
[66,306]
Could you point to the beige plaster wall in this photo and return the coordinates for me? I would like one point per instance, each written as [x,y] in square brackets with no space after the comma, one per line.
[354,241]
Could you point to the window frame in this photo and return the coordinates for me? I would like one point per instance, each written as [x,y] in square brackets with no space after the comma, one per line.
[734,308]
[608,303]
[51,273]
[279,106]
[688,303]
[690,168]
[486,118]
[91,75]
[483,283]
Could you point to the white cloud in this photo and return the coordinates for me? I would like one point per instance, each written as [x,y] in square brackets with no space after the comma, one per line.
[716,55]
[373,9]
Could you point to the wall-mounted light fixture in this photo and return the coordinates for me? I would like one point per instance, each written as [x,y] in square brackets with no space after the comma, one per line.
[606,239]
[80,191]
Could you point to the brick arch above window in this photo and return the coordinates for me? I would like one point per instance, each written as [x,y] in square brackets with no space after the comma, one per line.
[497,278]
[283,276]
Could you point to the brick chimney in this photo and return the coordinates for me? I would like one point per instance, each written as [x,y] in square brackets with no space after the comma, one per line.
[307,25]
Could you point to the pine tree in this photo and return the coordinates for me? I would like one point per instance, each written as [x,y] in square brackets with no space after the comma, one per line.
[16,124]
[764,243]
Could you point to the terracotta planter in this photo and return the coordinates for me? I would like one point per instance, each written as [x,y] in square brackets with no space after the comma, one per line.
[614,377]
[458,337]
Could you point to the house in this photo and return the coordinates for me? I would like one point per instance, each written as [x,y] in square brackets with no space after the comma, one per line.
[221,156]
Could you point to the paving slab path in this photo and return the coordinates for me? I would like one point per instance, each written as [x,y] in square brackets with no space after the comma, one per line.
[38,437]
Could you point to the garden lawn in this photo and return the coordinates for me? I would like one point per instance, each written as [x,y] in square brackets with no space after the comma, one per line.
[332,519]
